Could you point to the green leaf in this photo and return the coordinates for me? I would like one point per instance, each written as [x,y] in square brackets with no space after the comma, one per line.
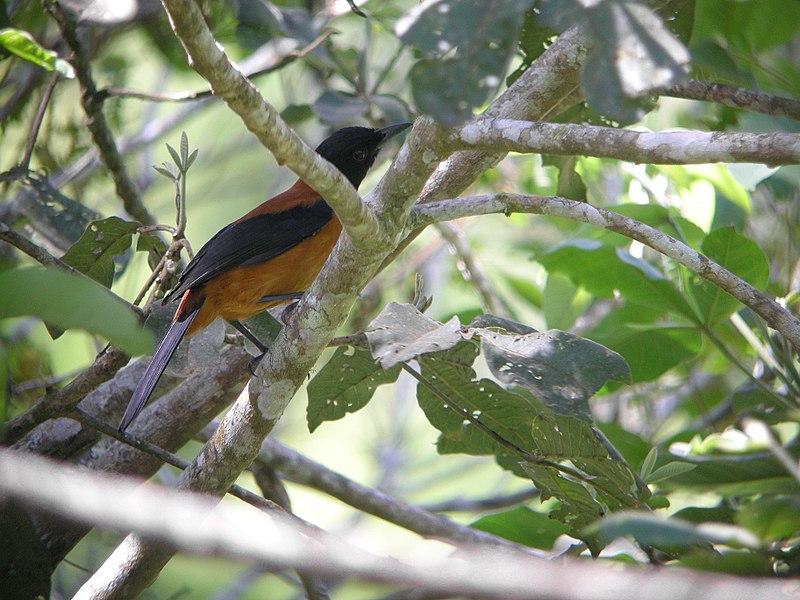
[739,255]
[560,308]
[294,114]
[175,157]
[344,385]
[601,269]
[647,528]
[401,333]
[21,43]
[649,463]
[93,254]
[153,245]
[523,526]
[742,563]
[478,52]
[561,369]
[68,301]
[633,448]
[771,518]
[669,470]
[652,352]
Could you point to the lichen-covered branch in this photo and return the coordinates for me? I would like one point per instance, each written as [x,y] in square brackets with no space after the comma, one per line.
[209,60]
[96,121]
[773,313]
[326,304]
[669,147]
[735,97]
[171,517]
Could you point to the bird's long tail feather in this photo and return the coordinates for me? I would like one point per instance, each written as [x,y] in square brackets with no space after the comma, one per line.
[157,365]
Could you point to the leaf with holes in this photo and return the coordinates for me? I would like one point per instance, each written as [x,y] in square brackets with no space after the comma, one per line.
[401,333]
[739,255]
[561,369]
[344,385]
[93,254]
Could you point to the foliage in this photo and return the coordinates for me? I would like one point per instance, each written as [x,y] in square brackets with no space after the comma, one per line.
[614,383]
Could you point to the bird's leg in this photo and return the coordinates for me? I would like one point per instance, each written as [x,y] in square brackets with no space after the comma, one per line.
[253,363]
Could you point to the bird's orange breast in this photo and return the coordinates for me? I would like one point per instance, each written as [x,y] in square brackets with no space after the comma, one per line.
[235,294]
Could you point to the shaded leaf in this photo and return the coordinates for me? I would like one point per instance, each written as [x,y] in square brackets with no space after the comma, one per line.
[339,108]
[478,38]
[669,470]
[344,385]
[771,518]
[523,526]
[633,52]
[296,113]
[93,254]
[647,528]
[739,255]
[601,269]
[72,302]
[561,369]
[652,352]
[154,246]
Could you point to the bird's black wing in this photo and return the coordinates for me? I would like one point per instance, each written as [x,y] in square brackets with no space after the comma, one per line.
[252,241]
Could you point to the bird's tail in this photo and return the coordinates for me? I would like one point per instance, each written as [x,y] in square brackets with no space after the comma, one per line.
[157,365]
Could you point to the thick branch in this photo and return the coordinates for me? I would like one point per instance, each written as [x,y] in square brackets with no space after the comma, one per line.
[672,147]
[96,121]
[237,532]
[773,313]
[735,97]
[210,61]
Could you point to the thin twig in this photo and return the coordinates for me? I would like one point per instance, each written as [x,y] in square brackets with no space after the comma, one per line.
[176,461]
[735,97]
[775,315]
[96,121]
[472,271]
[23,167]
[758,431]
[120,92]
[481,504]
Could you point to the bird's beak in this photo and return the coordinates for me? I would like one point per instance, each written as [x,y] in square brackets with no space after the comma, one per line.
[393,130]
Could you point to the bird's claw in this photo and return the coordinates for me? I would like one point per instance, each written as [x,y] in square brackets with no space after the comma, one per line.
[287,312]
[253,363]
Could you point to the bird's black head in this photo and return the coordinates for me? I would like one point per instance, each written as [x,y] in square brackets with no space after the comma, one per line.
[352,150]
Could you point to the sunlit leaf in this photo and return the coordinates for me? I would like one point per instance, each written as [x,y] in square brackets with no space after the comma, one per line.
[71,302]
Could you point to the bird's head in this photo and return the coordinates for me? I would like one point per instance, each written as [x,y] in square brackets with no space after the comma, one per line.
[352,150]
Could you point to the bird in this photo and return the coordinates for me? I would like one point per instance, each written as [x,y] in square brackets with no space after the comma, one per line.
[267,257]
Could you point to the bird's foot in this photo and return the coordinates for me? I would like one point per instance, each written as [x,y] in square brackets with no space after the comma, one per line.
[287,312]
[253,363]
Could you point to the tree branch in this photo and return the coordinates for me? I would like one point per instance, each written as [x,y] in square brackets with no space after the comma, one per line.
[287,58]
[472,270]
[673,147]
[735,97]
[326,304]
[96,121]
[210,61]
[299,469]
[172,517]
[773,313]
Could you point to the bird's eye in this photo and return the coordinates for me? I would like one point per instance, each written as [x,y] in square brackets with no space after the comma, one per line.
[360,155]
